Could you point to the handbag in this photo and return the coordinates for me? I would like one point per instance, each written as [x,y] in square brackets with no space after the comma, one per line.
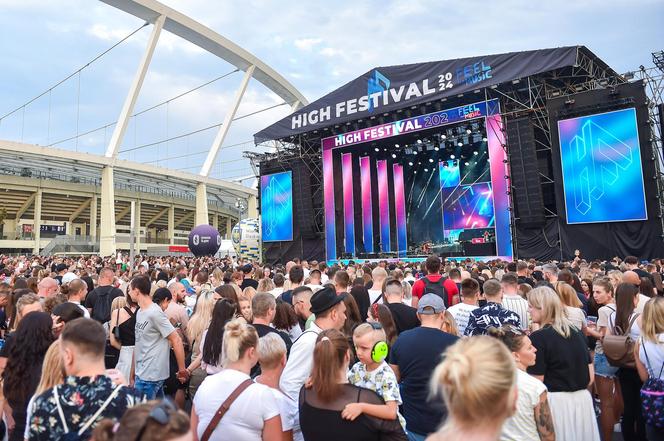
[116,328]
[214,422]
[619,346]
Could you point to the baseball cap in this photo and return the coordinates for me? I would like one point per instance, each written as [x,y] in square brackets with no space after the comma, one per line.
[430,304]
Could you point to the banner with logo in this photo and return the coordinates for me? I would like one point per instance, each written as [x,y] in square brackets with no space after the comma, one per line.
[390,88]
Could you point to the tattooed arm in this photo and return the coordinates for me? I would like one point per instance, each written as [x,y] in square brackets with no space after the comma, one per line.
[543,420]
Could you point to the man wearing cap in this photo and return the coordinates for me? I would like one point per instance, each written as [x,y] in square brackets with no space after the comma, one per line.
[330,311]
[414,356]
[61,269]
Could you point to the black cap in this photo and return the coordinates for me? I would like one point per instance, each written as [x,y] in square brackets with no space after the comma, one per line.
[325,299]
[60,267]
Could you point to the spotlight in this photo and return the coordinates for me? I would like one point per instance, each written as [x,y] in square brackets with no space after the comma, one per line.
[419,141]
[460,144]
[467,164]
[426,169]
[414,172]
[394,156]
[468,131]
[410,163]
[414,152]
[385,149]
[485,139]
[396,145]
[377,149]
[436,148]
[419,162]
[430,159]
[443,136]
[452,156]
[475,153]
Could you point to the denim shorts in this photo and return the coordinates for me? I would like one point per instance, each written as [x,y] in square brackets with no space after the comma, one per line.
[149,389]
[603,368]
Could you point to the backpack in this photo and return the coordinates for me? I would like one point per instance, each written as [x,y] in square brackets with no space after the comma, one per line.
[619,346]
[435,288]
[101,310]
[652,396]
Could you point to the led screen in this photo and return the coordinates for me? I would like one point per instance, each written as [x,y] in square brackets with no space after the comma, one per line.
[277,207]
[468,207]
[601,167]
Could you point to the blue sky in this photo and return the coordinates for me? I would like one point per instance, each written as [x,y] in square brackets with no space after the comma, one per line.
[317,46]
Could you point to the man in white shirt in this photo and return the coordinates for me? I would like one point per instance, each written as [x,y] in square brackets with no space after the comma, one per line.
[470,293]
[513,301]
[378,276]
[330,313]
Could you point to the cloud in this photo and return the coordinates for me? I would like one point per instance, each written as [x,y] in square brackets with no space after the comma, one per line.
[103,32]
[330,52]
[307,44]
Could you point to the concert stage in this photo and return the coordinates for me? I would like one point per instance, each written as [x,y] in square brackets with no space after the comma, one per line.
[464,158]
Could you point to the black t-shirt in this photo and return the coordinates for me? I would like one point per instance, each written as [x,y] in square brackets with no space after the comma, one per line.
[526,279]
[405,317]
[417,352]
[642,273]
[246,283]
[262,331]
[563,361]
[91,298]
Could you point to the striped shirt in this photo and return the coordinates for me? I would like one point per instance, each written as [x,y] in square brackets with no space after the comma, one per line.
[519,306]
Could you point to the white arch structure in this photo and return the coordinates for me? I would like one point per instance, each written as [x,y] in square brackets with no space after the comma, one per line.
[164,18]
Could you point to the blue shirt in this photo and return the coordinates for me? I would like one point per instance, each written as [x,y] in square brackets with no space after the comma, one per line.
[492,314]
[417,352]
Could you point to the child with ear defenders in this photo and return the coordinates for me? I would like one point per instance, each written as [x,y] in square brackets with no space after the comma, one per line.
[372,372]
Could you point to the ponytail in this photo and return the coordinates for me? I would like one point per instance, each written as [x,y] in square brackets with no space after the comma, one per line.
[329,359]
[238,337]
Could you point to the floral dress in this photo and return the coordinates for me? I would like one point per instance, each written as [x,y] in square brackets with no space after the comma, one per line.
[381,380]
[80,398]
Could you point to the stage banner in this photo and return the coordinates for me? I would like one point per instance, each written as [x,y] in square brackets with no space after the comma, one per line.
[390,88]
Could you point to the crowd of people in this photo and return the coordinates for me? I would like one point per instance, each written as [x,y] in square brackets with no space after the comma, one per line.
[184,348]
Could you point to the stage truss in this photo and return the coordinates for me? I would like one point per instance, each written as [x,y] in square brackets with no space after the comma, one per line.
[523,97]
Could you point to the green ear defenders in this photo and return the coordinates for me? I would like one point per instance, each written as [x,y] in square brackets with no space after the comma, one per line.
[380,348]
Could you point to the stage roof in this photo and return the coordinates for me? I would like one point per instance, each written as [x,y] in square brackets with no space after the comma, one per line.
[388,88]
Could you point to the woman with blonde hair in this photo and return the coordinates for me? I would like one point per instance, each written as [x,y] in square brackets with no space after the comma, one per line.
[475,371]
[564,366]
[650,348]
[198,323]
[265,285]
[53,373]
[572,305]
[254,415]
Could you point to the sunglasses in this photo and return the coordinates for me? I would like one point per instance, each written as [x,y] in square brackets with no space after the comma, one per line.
[160,414]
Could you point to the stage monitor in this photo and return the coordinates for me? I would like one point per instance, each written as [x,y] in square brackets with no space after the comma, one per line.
[277,207]
[601,168]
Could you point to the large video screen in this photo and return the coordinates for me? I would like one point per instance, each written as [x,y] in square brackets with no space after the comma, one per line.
[277,207]
[601,167]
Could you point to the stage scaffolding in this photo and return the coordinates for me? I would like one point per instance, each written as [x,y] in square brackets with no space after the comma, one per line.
[521,97]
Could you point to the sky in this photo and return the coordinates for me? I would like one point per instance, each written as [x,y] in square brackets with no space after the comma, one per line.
[317,46]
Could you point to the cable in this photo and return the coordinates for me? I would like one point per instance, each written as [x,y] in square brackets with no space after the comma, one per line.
[150,144]
[145,110]
[76,72]
[199,152]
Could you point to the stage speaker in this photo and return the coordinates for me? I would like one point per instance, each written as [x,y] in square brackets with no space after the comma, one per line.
[303,201]
[526,185]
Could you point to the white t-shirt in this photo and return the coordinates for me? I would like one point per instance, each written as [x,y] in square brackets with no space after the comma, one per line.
[521,426]
[373,295]
[603,315]
[287,409]
[247,415]
[461,313]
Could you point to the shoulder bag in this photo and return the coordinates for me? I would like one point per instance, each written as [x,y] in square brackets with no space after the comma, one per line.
[224,408]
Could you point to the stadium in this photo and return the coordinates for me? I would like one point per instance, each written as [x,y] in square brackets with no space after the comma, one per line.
[59,201]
